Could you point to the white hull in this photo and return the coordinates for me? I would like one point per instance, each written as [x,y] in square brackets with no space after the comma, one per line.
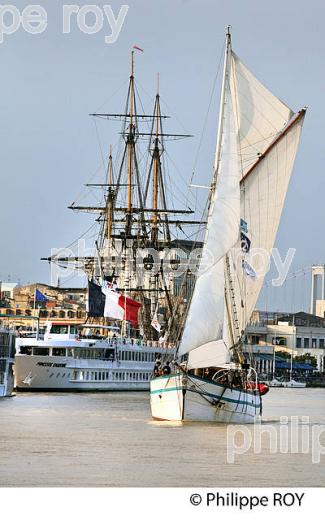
[181,398]
[294,384]
[58,373]
[275,383]
[6,362]
[7,386]
[65,362]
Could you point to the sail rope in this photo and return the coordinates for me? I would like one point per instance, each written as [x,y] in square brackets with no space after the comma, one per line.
[205,121]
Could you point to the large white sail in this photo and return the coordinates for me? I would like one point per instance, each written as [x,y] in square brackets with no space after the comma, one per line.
[260,116]
[268,134]
[263,192]
[205,319]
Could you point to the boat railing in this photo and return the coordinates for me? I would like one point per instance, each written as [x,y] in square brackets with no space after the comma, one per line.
[123,342]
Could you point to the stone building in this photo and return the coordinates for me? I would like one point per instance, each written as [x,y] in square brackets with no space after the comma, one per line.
[297,333]
[59,304]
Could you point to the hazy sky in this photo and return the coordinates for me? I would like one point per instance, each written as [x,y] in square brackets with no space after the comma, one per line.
[50,83]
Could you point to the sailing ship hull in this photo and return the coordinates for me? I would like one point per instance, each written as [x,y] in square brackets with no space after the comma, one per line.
[179,397]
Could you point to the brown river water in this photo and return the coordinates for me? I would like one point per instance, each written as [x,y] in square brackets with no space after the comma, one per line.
[109,439]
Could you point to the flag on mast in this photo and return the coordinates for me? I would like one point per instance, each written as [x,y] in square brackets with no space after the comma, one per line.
[155,323]
[106,302]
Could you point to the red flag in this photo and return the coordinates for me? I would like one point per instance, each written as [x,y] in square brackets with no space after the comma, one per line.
[137,48]
[131,309]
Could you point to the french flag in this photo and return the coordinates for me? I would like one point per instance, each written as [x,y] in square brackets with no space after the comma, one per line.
[106,302]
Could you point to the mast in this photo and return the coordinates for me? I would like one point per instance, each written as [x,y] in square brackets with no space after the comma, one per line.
[155,168]
[110,197]
[222,108]
[131,135]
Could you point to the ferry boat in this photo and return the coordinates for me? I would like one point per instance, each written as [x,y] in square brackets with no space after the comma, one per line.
[7,352]
[65,360]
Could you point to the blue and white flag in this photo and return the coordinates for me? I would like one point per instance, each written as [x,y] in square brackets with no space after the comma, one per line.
[249,270]
[243,225]
[40,297]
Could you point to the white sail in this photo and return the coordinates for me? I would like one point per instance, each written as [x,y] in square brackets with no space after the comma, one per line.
[205,318]
[268,136]
[260,115]
[263,193]
[213,354]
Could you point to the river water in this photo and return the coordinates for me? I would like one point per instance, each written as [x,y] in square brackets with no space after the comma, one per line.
[109,439]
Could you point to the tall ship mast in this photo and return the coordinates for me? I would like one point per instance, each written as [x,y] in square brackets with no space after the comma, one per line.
[136,224]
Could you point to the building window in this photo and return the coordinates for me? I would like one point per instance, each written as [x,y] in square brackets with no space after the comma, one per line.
[321,343]
[313,343]
[298,342]
[306,342]
[255,340]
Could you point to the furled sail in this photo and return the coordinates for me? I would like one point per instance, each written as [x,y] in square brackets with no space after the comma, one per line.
[205,319]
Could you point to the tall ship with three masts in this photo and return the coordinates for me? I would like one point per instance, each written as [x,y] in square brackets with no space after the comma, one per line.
[135,301]
[258,137]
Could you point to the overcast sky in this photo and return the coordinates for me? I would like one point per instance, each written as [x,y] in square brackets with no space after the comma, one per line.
[50,83]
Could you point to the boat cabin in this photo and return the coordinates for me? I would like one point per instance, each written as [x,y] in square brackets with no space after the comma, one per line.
[61,330]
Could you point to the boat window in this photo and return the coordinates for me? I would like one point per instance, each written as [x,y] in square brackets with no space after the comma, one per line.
[41,351]
[58,351]
[26,350]
[59,329]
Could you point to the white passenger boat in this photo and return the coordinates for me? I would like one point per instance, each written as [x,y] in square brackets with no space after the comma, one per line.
[64,360]
[7,352]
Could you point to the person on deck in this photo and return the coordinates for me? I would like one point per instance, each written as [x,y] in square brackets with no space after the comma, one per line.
[167,369]
[157,370]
